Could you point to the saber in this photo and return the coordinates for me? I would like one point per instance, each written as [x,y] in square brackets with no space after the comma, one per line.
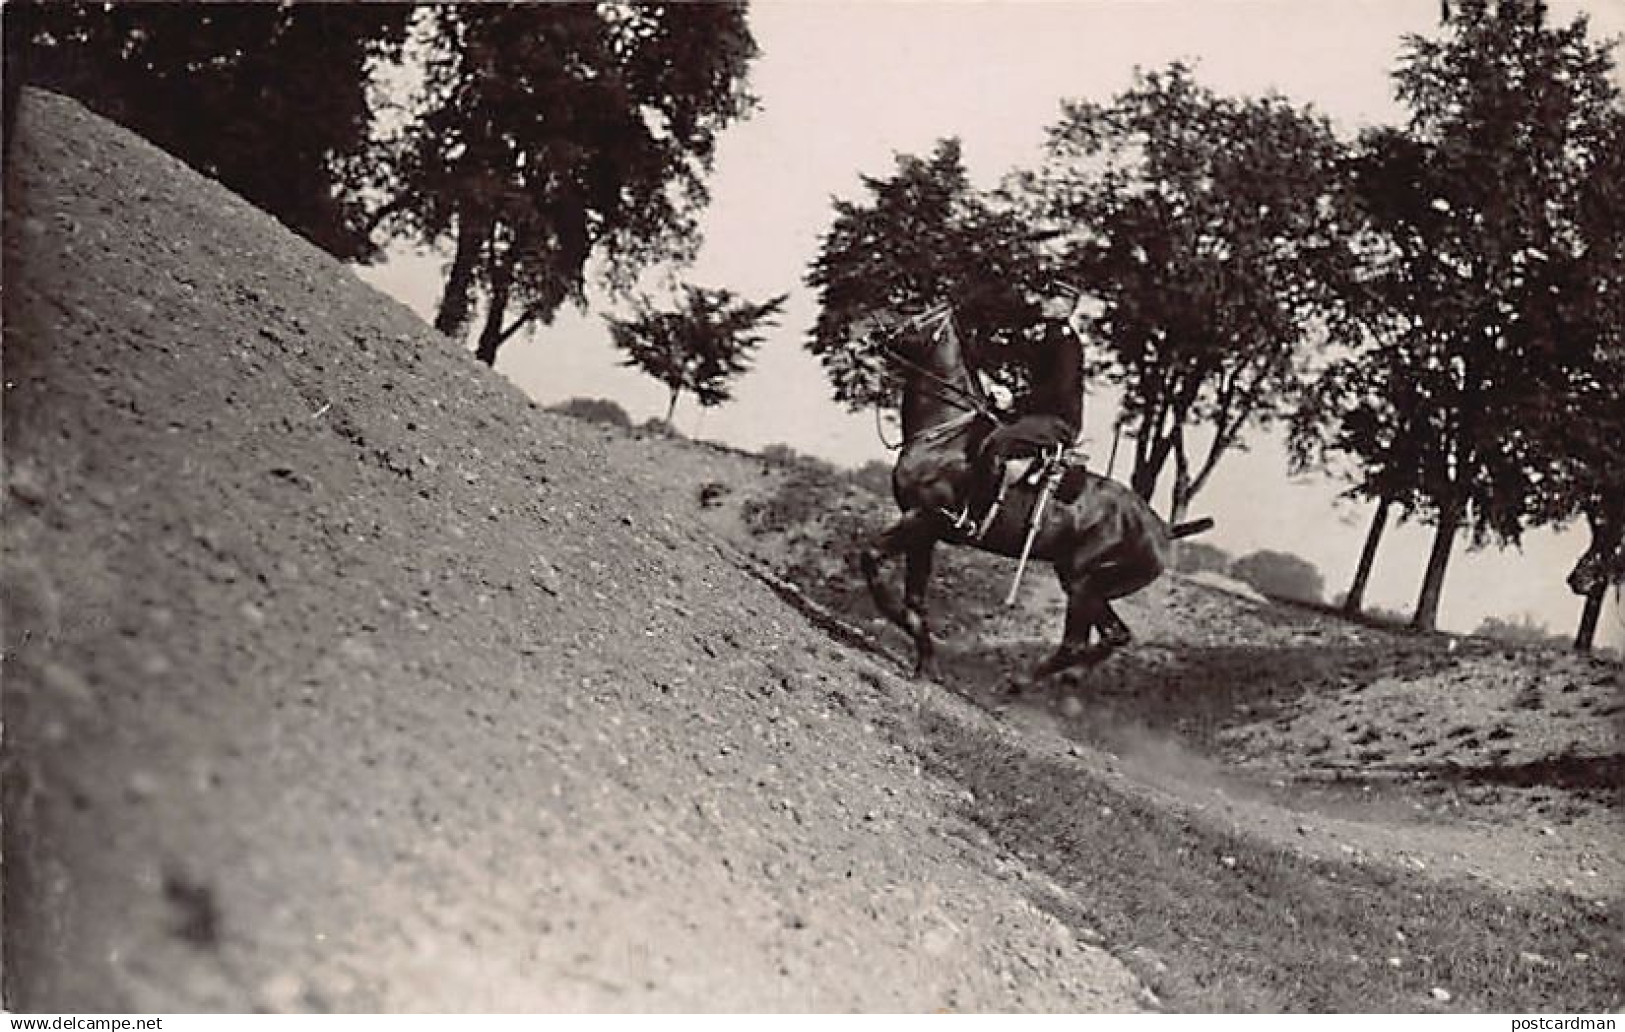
[1033,523]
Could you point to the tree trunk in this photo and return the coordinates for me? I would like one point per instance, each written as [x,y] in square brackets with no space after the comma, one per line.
[1586,636]
[1180,504]
[1427,604]
[491,335]
[458,299]
[671,408]
[1143,481]
[1368,557]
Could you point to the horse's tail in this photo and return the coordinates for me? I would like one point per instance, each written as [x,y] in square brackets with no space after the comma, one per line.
[1180,530]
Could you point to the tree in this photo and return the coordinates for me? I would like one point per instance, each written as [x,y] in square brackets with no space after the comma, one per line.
[698,347]
[1508,118]
[1369,416]
[1211,228]
[921,237]
[548,135]
[270,99]
[1577,419]
[1280,575]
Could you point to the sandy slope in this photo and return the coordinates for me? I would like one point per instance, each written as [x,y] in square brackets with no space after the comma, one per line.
[338,677]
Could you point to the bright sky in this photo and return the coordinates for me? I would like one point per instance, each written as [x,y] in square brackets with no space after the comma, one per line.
[845,87]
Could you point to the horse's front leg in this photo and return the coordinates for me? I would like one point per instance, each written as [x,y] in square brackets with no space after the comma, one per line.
[913,536]
[916,580]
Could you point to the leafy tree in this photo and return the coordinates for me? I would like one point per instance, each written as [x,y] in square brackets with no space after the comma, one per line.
[270,99]
[1280,575]
[1509,118]
[1211,228]
[1368,417]
[550,134]
[699,347]
[1577,419]
[923,236]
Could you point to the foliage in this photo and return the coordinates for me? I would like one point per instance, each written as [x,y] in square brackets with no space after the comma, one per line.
[1491,285]
[595,410]
[921,237]
[1482,202]
[784,456]
[1280,575]
[546,134]
[874,475]
[1199,556]
[270,99]
[660,427]
[1522,629]
[1578,419]
[1213,230]
[700,346]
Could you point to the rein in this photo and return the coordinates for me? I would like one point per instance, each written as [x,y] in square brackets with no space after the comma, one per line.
[880,432]
[940,387]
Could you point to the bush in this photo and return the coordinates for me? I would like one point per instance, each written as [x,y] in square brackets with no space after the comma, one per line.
[787,457]
[873,476]
[1280,575]
[1522,629]
[1199,557]
[660,428]
[595,410]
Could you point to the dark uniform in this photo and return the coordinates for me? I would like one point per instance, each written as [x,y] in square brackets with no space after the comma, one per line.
[1051,415]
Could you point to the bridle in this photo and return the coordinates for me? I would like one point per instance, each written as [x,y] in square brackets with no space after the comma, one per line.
[968,400]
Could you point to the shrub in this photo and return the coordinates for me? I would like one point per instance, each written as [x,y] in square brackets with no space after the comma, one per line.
[873,476]
[1200,557]
[787,457]
[1522,629]
[659,427]
[595,410]
[1280,575]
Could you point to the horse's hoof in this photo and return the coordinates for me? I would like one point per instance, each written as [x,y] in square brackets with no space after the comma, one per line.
[1070,659]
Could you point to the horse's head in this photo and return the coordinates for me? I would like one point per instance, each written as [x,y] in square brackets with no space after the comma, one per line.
[938,387]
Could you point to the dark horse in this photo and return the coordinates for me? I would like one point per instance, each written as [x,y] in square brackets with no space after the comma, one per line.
[1103,539]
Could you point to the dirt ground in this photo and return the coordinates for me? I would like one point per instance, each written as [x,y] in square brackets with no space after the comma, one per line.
[337,676]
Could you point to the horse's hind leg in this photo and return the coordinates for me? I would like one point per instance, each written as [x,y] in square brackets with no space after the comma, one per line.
[914,536]
[1114,633]
[1089,609]
[1085,610]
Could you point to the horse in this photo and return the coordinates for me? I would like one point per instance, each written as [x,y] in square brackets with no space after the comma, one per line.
[1103,540]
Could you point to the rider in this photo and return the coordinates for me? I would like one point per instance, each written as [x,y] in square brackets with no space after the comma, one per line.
[1051,415]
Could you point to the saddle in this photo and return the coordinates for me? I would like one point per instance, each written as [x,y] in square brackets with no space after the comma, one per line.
[1044,471]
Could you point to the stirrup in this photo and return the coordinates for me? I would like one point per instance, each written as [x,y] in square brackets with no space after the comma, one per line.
[960,520]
